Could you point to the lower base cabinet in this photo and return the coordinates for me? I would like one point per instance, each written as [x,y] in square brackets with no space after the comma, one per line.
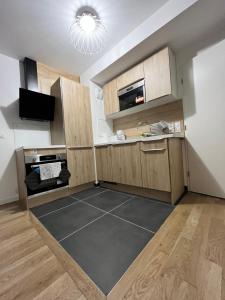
[126,164]
[104,163]
[81,166]
[153,165]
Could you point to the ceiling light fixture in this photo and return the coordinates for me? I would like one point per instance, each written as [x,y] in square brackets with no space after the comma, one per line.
[87,31]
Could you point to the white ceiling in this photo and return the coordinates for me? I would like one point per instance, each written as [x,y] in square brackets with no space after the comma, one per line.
[39,29]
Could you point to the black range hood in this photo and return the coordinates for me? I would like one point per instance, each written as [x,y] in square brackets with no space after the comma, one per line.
[30,74]
[32,104]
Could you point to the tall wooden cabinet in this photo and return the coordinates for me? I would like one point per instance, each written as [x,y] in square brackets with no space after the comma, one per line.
[72,126]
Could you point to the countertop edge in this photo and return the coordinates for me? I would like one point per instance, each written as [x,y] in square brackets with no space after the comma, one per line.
[42,147]
[152,138]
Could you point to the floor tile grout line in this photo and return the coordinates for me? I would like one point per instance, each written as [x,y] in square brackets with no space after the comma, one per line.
[128,200]
[105,211]
[89,196]
[53,211]
[131,223]
[102,210]
[139,196]
[79,229]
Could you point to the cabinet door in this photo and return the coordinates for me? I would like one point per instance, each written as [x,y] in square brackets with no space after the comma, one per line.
[111,101]
[131,76]
[155,165]
[157,75]
[127,164]
[104,163]
[81,166]
[77,113]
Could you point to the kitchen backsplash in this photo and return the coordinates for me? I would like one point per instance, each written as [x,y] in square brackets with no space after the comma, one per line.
[136,124]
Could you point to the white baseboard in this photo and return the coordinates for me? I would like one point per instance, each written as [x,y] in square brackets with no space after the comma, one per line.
[8,200]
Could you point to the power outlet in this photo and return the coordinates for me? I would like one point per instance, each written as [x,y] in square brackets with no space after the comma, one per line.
[177,127]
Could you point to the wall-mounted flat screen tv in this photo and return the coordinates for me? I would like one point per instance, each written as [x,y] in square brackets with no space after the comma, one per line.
[36,106]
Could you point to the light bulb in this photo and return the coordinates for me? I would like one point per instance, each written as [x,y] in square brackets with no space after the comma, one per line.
[87,23]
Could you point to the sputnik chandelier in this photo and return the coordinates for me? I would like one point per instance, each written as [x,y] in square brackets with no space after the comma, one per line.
[87,31]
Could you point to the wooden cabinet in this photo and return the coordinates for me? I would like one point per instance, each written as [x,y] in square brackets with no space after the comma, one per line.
[111,102]
[104,163]
[81,166]
[159,72]
[72,123]
[131,76]
[77,113]
[155,165]
[126,164]
[160,75]
[72,126]
[154,168]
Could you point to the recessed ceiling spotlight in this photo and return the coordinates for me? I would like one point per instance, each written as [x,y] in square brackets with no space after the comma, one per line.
[87,31]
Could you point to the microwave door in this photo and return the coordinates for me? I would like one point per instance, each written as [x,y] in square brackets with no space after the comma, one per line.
[132,98]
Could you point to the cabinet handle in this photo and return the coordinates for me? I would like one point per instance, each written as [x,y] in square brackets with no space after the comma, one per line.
[79,147]
[153,150]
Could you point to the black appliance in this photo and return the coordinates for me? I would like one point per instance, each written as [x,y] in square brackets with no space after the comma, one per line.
[32,104]
[34,184]
[132,95]
[36,106]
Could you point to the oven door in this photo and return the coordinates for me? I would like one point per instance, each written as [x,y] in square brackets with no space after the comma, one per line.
[132,95]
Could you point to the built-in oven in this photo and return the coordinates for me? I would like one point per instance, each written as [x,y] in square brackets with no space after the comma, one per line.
[34,165]
[132,95]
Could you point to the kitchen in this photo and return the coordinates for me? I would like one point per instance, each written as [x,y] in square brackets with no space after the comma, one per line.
[120,190]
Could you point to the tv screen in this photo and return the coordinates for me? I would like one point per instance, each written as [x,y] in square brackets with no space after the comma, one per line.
[36,106]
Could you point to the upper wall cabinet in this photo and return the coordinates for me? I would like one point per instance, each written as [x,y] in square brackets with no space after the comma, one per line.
[159,72]
[111,103]
[72,124]
[160,75]
[131,76]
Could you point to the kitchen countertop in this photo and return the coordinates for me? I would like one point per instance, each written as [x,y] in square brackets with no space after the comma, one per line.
[42,147]
[141,139]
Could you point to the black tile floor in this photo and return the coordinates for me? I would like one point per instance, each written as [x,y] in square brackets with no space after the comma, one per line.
[103,230]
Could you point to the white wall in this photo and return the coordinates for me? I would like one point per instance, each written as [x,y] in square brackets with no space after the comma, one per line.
[204,112]
[102,128]
[13,131]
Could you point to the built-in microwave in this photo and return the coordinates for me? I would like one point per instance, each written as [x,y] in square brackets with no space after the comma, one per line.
[132,95]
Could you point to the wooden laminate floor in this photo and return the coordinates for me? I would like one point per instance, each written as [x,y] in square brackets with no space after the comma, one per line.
[185,259]
[28,268]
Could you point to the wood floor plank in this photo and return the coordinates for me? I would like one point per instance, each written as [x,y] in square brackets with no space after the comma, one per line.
[19,246]
[216,241]
[16,226]
[61,289]
[209,281]
[145,280]
[170,287]
[23,267]
[28,268]
[29,287]
[9,217]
